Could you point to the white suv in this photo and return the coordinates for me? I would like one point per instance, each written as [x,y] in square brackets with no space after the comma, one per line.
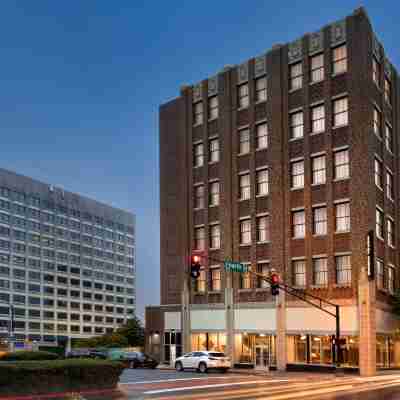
[203,361]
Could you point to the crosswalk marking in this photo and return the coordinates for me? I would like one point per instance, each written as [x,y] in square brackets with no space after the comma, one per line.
[218,385]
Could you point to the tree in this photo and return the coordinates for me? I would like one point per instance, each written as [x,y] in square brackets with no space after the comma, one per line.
[130,334]
[133,330]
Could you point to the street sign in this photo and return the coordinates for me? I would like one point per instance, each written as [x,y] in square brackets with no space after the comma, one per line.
[235,267]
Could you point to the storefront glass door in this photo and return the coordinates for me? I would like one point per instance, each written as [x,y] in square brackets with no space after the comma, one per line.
[263,356]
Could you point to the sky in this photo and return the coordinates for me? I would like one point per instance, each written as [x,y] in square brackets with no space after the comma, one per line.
[81,83]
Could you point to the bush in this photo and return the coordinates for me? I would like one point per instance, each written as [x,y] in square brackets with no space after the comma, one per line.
[43,377]
[29,356]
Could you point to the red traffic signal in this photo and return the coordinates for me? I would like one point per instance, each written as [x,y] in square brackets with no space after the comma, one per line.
[195,266]
[274,284]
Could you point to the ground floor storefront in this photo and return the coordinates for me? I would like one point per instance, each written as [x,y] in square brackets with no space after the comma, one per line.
[310,337]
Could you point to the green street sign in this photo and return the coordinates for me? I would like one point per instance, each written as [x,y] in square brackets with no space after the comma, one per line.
[235,267]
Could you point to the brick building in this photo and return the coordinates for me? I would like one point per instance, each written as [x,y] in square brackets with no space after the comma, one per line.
[285,161]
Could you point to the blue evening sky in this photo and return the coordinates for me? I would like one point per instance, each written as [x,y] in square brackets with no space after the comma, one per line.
[81,83]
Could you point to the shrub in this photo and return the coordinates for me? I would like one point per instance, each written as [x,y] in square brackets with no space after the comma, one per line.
[29,356]
[42,377]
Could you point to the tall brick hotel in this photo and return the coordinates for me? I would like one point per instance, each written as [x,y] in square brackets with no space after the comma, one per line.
[284,161]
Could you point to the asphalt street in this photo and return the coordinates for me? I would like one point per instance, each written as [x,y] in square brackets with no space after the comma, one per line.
[170,385]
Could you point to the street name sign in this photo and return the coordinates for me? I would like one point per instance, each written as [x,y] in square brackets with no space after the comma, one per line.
[235,266]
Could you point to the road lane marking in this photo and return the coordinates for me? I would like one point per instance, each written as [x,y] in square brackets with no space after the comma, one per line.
[174,380]
[187,388]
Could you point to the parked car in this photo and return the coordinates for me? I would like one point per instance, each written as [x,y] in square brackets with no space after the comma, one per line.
[202,361]
[136,359]
[98,354]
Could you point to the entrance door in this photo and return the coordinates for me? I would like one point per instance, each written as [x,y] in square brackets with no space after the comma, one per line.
[262,357]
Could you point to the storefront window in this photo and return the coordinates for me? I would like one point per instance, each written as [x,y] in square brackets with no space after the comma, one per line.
[256,349]
[209,341]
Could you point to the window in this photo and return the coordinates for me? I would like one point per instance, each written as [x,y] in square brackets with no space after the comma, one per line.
[263,229]
[379,223]
[199,238]
[378,174]
[389,185]
[319,221]
[201,281]
[261,89]
[198,113]
[389,138]
[245,281]
[243,95]
[245,231]
[380,281]
[295,76]
[390,232]
[214,150]
[340,112]
[320,269]
[262,187]
[318,170]
[297,174]
[244,141]
[215,237]
[298,224]
[299,273]
[198,155]
[296,125]
[262,136]
[262,269]
[199,196]
[318,119]
[342,213]
[388,91]
[244,186]
[213,107]
[215,279]
[214,194]
[339,59]
[343,270]
[390,279]
[377,122]
[317,68]
[341,164]
[376,71]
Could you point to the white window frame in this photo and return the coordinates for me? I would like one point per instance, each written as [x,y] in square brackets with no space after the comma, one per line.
[320,220]
[213,107]
[320,271]
[296,76]
[198,113]
[342,217]
[262,136]
[340,112]
[262,184]
[317,68]
[213,147]
[198,155]
[214,193]
[296,122]
[379,224]
[243,95]
[297,174]
[215,236]
[244,186]
[260,86]
[343,269]
[339,59]
[342,165]
[245,231]
[244,141]
[298,224]
[263,229]
[299,273]
[318,167]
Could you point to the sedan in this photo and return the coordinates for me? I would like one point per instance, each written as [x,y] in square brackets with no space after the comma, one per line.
[137,359]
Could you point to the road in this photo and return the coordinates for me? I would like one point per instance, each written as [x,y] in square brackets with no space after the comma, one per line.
[170,385]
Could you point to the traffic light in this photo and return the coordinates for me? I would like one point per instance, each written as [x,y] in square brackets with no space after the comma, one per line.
[274,284]
[195,267]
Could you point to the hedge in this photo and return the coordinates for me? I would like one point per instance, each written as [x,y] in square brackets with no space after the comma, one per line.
[44,377]
[29,356]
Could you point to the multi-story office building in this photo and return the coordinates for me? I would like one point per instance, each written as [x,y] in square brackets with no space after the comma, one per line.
[285,161]
[67,263]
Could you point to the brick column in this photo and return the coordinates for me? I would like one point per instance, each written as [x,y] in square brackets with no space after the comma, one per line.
[281,354]
[367,325]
